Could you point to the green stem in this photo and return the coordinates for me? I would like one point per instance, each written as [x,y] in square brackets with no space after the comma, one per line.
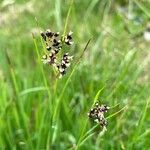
[67,19]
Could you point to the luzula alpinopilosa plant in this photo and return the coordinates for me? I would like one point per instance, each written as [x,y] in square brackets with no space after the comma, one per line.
[54,43]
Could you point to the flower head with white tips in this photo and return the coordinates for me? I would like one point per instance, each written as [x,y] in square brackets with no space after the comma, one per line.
[53,44]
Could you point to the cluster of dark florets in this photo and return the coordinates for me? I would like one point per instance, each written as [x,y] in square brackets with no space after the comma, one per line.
[65,63]
[54,43]
[97,114]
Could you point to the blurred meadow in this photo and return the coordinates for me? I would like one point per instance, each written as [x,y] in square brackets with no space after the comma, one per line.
[39,111]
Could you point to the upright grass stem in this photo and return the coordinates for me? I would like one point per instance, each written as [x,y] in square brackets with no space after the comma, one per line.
[19,105]
[56,111]
[49,107]
[73,70]
[67,18]
[41,68]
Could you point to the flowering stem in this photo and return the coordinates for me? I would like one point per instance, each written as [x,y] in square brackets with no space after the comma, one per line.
[67,18]
[56,111]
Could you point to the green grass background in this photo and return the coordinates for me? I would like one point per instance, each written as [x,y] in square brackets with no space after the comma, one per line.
[37,111]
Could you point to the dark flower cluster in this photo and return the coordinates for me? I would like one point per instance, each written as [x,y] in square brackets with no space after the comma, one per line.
[97,114]
[54,43]
[65,63]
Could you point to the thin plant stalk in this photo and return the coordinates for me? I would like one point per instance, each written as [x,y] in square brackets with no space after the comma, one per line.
[56,111]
